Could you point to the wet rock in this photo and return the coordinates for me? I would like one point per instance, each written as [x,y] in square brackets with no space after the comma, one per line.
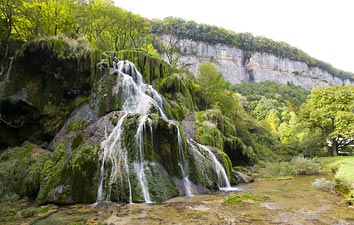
[241,177]
[188,126]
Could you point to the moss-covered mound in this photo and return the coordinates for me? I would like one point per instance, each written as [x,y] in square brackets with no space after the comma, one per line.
[20,170]
[49,78]
[70,177]
[179,91]
[217,130]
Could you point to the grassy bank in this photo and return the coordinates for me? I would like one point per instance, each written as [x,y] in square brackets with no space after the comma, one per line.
[343,169]
[342,166]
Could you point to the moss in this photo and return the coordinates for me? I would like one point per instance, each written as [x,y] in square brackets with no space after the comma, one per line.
[95,58]
[215,129]
[76,125]
[226,162]
[77,141]
[70,177]
[341,188]
[208,134]
[33,211]
[85,173]
[179,91]
[242,197]
[161,186]
[149,66]
[20,170]
[104,100]
[7,213]
[80,100]
[350,198]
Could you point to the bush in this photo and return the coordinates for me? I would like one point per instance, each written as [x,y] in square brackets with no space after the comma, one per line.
[273,170]
[297,166]
[305,166]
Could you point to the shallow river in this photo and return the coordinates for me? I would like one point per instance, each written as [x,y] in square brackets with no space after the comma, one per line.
[292,201]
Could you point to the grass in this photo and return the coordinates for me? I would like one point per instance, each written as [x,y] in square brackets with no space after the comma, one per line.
[343,166]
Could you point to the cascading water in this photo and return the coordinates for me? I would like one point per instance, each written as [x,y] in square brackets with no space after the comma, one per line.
[7,75]
[113,151]
[182,165]
[223,181]
[137,98]
[140,162]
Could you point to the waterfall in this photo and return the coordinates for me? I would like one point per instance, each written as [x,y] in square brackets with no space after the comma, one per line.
[223,180]
[7,75]
[182,165]
[113,151]
[137,98]
[140,162]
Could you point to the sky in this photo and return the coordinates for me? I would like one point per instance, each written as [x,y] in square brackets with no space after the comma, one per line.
[324,29]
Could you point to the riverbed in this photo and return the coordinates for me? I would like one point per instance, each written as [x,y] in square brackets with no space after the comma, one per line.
[292,201]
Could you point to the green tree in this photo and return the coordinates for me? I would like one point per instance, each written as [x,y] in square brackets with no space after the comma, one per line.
[215,91]
[331,111]
[9,12]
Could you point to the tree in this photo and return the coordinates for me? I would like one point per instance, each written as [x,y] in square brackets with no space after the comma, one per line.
[9,10]
[331,111]
[215,91]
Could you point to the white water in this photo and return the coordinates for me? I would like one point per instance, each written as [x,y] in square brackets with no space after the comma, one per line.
[140,162]
[223,180]
[113,150]
[138,98]
[182,164]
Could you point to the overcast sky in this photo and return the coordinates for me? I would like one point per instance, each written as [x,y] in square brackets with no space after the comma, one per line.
[322,28]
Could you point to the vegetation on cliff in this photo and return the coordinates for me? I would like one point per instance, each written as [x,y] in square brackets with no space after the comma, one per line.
[183,29]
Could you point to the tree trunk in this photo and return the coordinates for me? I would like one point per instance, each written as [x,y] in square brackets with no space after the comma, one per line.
[334,148]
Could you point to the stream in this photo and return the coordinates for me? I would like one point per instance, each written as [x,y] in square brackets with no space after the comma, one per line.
[292,201]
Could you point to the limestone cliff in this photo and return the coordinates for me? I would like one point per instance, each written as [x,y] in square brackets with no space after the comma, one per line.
[238,65]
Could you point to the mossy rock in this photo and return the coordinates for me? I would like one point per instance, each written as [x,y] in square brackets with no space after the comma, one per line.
[217,130]
[350,198]
[48,77]
[20,170]
[70,177]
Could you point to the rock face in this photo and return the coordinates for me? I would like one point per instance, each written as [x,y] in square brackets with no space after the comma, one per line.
[238,66]
[122,147]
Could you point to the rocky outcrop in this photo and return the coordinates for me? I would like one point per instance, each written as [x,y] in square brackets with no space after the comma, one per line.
[238,66]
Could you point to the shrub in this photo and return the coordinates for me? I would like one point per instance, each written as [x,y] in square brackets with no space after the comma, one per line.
[305,166]
[273,170]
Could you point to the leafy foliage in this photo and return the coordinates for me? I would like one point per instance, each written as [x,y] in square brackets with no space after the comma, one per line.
[215,92]
[330,111]
[105,25]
